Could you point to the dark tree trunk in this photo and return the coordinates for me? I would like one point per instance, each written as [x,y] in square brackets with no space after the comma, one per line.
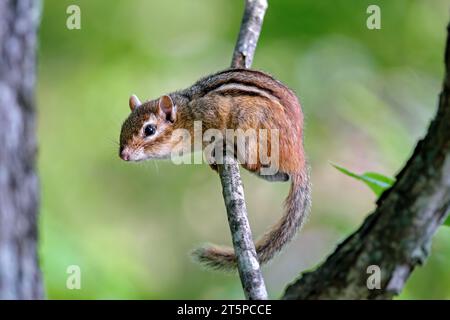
[20,277]
[397,236]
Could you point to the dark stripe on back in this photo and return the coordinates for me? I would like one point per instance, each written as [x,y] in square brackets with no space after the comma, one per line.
[246,77]
[231,76]
[239,92]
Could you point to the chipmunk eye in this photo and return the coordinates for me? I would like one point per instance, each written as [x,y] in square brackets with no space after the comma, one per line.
[149,130]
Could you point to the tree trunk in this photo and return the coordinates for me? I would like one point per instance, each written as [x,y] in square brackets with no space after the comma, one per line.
[20,277]
[397,236]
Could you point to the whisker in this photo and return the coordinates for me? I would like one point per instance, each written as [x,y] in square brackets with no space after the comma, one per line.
[113,141]
[156,166]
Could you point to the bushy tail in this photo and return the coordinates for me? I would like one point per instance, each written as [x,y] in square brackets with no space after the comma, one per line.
[296,209]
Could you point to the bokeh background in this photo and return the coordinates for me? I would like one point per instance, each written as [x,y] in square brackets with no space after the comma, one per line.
[368,95]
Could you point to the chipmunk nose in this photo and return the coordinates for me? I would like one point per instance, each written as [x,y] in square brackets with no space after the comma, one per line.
[123,154]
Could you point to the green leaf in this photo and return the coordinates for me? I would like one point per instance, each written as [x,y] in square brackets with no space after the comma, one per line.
[447,222]
[376,181]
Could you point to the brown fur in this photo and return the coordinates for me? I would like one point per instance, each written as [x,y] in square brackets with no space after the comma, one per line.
[233,99]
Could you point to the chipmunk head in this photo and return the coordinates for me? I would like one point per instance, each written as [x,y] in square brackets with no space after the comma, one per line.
[147,132]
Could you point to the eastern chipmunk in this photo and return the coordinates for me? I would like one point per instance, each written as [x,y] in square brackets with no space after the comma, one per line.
[230,99]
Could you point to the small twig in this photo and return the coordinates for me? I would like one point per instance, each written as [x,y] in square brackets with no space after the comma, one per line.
[233,192]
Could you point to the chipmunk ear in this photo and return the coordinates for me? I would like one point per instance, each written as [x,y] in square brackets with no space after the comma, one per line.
[134,102]
[168,108]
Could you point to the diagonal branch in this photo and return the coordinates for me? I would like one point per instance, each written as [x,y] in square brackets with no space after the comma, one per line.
[249,33]
[397,236]
[233,192]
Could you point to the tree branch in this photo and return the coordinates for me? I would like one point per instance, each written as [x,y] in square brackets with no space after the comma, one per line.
[249,33]
[233,192]
[397,236]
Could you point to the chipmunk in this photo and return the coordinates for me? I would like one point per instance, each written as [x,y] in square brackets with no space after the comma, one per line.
[229,99]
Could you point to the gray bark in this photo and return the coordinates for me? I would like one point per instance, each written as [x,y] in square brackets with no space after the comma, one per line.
[233,192]
[20,277]
[244,248]
[251,24]
[397,236]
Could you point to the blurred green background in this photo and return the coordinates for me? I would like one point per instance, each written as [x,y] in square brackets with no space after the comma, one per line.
[367,95]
